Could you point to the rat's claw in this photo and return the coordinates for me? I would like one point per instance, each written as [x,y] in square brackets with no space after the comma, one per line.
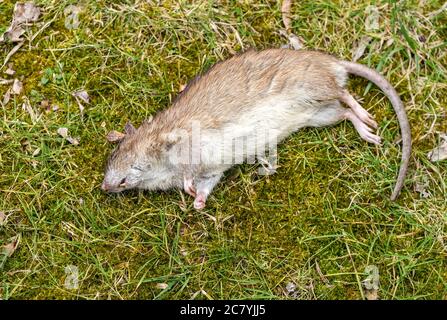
[364,131]
[358,110]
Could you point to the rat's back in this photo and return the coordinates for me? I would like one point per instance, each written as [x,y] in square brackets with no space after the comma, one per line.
[236,86]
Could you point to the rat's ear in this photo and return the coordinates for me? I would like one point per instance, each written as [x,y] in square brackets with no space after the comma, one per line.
[129,128]
[115,136]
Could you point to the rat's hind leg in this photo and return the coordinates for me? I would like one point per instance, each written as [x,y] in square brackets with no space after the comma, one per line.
[364,131]
[358,110]
[204,185]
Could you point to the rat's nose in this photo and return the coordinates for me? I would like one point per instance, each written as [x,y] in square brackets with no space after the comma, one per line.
[105,186]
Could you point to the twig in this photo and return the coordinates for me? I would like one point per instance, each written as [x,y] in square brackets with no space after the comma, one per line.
[14,50]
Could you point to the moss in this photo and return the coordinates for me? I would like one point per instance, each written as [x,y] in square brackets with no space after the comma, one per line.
[325,209]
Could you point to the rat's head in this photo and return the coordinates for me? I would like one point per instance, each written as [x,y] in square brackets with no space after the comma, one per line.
[125,166]
[139,161]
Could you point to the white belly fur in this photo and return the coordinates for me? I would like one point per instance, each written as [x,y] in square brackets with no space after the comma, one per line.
[256,131]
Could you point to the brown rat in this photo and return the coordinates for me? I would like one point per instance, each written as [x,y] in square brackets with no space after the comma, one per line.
[254,99]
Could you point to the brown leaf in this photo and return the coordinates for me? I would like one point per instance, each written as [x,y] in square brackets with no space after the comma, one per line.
[13,50]
[17,87]
[24,13]
[10,248]
[359,49]
[115,136]
[73,141]
[45,104]
[182,87]
[439,153]
[372,18]
[27,106]
[6,97]
[6,81]
[2,218]
[83,95]
[63,132]
[295,42]
[14,34]
[10,71]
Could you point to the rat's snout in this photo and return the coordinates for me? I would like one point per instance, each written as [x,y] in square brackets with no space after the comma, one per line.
[106,187]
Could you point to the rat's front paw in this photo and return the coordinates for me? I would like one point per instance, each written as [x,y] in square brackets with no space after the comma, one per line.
[199,202]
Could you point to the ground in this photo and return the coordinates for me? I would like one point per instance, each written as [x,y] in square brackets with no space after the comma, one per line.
[317,229]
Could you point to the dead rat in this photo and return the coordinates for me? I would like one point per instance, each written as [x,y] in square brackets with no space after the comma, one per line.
[236,110]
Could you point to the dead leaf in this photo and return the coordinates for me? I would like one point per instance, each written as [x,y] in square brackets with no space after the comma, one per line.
[63,132]
[27,106]
[115,136]
[295,42]
[182,87]
[6,97]
[24,13]
[10,248]
[45,104]
[73,141]
[14,34]
[6,81]
[36,152]
[359,49]
[17,87]
[83,95]
[161,286]
[421,185]
[2,218]
[10,71]
[439,153]
[372,18]
[14,50]
[25,144]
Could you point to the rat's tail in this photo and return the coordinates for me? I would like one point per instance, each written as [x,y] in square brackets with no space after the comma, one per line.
[390,92]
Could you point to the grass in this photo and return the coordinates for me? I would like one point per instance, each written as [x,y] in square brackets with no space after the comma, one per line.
[317,224]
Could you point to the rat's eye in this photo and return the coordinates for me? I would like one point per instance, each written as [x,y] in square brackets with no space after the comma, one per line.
[136,168]
[123,182]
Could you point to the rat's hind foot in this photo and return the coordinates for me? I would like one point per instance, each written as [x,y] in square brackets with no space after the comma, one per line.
[364,131]
[188,186]
[358,110]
